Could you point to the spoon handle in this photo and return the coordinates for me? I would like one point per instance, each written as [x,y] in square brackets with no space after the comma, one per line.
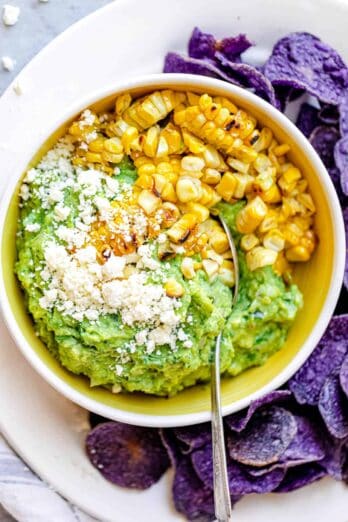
[222,500]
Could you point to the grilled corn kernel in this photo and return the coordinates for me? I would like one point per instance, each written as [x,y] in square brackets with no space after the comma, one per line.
[188,189]
[238,165]
[307,201]
[147,169]
[96,145]
[219,241]
[181,230]
[122,103]
[289,179]
[211,176]
[249,218]
[173,288]
[148,201]
[145,181]
[227,186]
[188,268]
[245,154]
[259,257]
[192,164]
[280,150]
[201,212]
[297,253]
[211,254]
[209,196]
[243,185]
[194,145]
[274,240]
[170,214]
[210,267]
[264,140]
[212,158]
[113,145]
[249,241]
[272,194]
[226,273]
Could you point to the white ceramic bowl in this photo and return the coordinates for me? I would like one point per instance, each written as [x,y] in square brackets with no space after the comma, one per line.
[320,279]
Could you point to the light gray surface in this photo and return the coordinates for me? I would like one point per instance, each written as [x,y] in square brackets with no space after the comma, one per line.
[38,24]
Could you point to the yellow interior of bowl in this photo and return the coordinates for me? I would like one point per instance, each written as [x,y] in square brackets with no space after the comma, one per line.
[313,279]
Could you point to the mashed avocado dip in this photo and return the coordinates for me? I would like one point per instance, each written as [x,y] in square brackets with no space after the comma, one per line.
[71,294]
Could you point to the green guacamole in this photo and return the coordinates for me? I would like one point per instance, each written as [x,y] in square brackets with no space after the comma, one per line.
[253,330]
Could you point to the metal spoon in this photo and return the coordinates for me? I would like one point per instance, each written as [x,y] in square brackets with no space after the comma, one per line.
[222,500]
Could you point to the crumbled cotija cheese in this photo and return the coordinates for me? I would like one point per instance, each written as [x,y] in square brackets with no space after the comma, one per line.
[10,14]
[8,63]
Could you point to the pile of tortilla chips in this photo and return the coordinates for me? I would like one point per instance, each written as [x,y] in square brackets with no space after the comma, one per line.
[298,434]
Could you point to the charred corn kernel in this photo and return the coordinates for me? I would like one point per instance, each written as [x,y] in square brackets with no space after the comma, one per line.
[159,183]
[210,267]
[151,109]
[211,176]
[243,185]
[145,181]
[259,257]
[227,186]
[238,165]
[113,145]
[188,189]
[272,194]
[194,145]
[170,214]
[173,288]
[198,210]
[226,104]
[270,222]
[219,241]
[297,253]
[150,141]
[162,148]
[280,150]
[249,218]
[288,180]
[262,163]
[226,273]
[245,154]
[168,193]
[173,137]
[264,140]
[111,157]
[147,169]
[209,197]
[181,230]
[148,201]
[212,158]
[249,241]
[192,164]
[274,240]
[211,254]
[122,103]
[222,116]
[94,157]
[307,201]
[188,268]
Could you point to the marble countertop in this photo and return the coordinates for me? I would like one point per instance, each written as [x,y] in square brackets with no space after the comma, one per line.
[38,24]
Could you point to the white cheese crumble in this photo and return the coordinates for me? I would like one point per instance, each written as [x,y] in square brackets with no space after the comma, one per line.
[32,227]
[10,14]
[8,63]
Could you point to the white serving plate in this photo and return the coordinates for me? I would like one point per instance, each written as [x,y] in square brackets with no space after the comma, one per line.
[128,38]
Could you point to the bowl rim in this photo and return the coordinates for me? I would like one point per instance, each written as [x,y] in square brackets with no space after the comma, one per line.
[167,80]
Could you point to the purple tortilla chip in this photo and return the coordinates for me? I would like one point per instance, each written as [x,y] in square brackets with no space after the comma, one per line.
[249,77]
[307,119]
[267,436]
[239,421]
[345,280]
[329,114]
[341,159]
[170,443]
[326,360]
[323,139]
[303,61]
[301,476]
[335,459]
[128,456]
[344,375]
[191,497]
[335,176]
[240,482]
[204,45]
[343,111]
[194,437]
[333,406]
[307,446]
[178,63]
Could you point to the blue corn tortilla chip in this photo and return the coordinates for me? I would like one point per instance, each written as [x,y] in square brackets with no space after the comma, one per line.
[343,112]
[249,77]
[178,63]
[335,176]
[240,482]
[336,457]
[333,406]
[128,456]
[264,440]
[239,421]
[307,119]
[191,496]
[323,139]
[345,217]
[344,375]
[193,437]
[303,61]
[329,114]
[307,446]
[326,360]
[170,443]
[341,160]
[204,45]
[301,476]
